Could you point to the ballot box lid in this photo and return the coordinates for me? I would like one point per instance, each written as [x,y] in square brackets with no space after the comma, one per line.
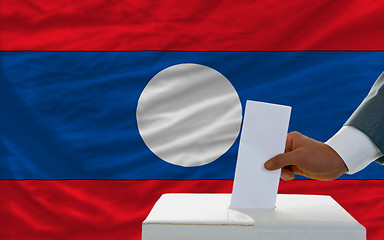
[293,214]
[214,209]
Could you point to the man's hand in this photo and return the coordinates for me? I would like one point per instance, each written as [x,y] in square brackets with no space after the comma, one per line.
[307,157]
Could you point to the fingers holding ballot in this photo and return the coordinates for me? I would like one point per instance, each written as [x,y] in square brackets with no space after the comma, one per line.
[308,157]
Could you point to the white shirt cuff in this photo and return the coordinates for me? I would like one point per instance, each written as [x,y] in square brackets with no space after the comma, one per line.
[355,148]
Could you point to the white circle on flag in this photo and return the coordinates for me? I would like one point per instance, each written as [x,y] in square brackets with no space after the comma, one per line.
[189,115]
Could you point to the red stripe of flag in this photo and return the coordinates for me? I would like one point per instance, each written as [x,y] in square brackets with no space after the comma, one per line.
[191,25]
[89,209]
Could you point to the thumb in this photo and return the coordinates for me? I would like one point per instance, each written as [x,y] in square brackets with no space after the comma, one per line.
[280,161]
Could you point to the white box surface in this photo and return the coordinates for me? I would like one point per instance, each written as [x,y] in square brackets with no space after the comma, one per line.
[208,217]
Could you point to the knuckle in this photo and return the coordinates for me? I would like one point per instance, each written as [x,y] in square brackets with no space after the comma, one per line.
[295,134]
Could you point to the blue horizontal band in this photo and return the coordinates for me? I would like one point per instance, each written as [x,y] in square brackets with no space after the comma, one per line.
[72,115]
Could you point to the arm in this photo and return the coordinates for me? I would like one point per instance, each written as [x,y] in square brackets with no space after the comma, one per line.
[313,159]
[369,116]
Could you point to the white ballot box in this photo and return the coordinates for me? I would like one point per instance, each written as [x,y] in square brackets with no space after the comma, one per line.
[208,217]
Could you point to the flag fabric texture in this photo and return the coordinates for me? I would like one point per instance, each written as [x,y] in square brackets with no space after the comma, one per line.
[72,162]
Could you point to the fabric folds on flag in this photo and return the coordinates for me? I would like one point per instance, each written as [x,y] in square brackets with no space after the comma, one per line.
[72,162]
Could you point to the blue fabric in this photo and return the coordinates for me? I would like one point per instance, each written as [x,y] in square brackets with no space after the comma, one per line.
[72,115]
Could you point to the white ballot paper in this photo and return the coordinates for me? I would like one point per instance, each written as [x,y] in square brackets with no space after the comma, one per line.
[263,136]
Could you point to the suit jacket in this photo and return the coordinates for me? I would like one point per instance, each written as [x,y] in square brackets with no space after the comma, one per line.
[369,116]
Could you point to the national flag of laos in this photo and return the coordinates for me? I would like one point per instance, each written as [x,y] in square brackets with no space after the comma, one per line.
[73,164]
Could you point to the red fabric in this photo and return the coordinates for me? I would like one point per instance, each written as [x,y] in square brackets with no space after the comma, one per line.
[198,25]
[89,209]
